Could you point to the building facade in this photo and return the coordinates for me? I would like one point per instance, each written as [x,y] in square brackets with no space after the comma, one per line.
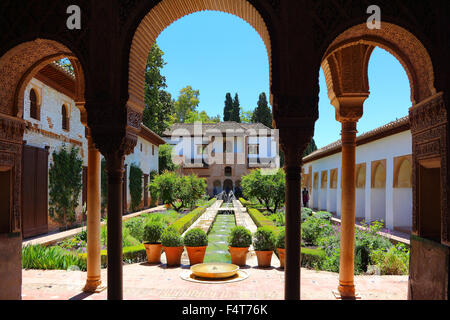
[383,176]
[222,152]
[52,121]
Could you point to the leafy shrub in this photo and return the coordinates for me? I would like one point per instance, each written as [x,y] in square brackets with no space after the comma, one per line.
[171,238]
[323,215]
[240,237]
[306,213]
[187,220]
[127,239]
[136,227]
[269,189]
[313,228]
[132,254]
[135,184]
[260,220]
[50,258]
[152,232]
[64,185]
[264,239]
[178,191]
[394,261]
[280,239]
[312,258]
[195,237]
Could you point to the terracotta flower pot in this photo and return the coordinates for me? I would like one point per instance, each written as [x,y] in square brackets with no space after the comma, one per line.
[238,255]
[153,251]
[281,253]
[196,254]
[264,258]
[173,255]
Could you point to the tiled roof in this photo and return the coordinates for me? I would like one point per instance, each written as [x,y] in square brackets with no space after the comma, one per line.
[220,126]
[388,129]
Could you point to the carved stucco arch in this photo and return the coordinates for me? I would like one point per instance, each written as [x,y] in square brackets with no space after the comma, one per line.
[399,42]
[21,63]
[165,13]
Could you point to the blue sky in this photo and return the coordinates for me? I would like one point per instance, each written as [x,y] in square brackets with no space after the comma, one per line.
[217,53]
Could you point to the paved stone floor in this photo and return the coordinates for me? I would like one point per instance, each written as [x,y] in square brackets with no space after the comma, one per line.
[152,282]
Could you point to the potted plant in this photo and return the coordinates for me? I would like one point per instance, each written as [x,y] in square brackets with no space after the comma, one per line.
[172,243]
[239,241]
[196,242]
[151,239]
[280,245]
[264,244]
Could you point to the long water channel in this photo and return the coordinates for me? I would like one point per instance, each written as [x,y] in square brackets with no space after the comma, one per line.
[217,250]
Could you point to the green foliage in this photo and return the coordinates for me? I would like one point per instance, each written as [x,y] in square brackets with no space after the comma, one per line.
[171,238]
[103,186]
[264,239]
[127,238]
[269,189]
[313,228]
[195,237]
[393,261]
[260,220]
[280,239]
[310,148]
[50,258]
[178,191]
[306,213]
[187,102]
[152,232]
[165,162]
[236,110]
[312,258]
[262,113]
[187,220]
[323,215]
[246,116]
[135,185]
[228,107]
[240,237]
[65,185]
[159,106]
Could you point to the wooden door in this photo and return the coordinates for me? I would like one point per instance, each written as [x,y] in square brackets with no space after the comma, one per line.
[34,191]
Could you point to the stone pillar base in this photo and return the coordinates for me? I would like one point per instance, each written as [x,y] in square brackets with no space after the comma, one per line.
[93,286]
[346,291]
[339,296]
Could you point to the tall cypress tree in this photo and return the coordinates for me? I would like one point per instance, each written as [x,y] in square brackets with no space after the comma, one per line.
[262,113]
[228,107]
[236,111]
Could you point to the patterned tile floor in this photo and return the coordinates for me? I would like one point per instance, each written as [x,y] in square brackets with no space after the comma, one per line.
[154,282]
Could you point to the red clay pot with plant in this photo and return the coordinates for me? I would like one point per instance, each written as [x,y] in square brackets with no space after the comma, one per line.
[264,244]
[153,248]
[239,241]
[196,242]
[173,246]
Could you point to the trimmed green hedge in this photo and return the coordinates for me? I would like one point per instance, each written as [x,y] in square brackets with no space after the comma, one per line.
[132,254]
[244,202]
[261,220]
[312,258]
[187,220]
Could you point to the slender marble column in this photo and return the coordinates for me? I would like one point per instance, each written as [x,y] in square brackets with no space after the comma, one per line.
[93,281]
[115,170]
[346,271]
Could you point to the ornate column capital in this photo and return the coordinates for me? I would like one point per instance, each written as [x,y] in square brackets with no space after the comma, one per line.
[349,107]
[113,127]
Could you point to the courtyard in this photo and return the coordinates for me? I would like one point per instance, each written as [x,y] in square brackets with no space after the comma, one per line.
[143,281]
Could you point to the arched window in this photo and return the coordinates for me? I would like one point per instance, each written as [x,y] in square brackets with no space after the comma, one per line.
[34,108]
[65,117]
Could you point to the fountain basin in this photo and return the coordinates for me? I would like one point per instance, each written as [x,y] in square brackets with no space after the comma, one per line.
[214,270]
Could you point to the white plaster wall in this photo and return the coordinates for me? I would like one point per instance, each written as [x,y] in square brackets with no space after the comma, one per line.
[322,199]
[360,203]
[144,159]
[402,207]
[378,204]
[369,204]
[332,200]
[51,102]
